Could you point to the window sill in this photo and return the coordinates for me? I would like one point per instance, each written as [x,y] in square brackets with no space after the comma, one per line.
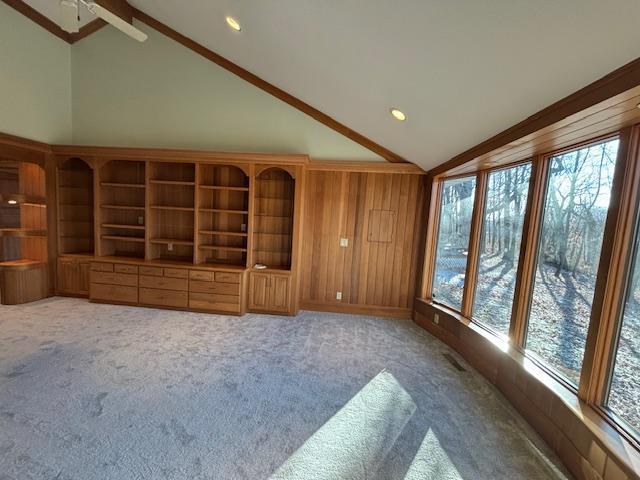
[551,406]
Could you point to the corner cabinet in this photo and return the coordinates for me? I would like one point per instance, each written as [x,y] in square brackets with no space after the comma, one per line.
[270,292]
[73,276]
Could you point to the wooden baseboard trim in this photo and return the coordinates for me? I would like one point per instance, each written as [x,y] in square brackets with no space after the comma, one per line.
[357,309]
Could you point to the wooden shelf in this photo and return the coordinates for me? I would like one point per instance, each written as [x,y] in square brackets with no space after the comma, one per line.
[271,216]
[122,207]
[222,248]
[23,199]
[222,232]
[167,241]
[221,210]
[123,238]
[122,185]
[172,182]
[167,207]
[22,232]
[120,225]
[220,187]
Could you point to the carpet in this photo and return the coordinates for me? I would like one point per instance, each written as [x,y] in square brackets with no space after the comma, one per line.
[90,391]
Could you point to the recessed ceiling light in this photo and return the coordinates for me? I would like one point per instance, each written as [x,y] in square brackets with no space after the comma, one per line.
[233,23]
[12,202]
[398,115]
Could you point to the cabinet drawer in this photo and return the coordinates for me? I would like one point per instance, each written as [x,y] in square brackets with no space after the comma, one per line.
[153,271]
[101,267]
[114,293]
[108,278]
[214,287]
[123,268]
[220,303]
[176,273]
[227,277]
[164,283]
[164,298]
[201,275]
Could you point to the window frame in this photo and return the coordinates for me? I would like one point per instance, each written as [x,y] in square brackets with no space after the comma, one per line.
[481,210]
[622,222]
[432,238]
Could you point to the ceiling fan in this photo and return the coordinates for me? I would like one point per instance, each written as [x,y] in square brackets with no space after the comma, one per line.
[71,20]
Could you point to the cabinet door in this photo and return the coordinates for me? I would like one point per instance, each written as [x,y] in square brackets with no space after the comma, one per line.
[259,291]
[279,293]
[84,274]
[68,276]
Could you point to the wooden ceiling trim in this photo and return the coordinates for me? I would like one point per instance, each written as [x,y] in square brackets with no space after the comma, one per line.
[177,155]
[268,87]
[91,27]
[37,17]
[606,118]
[369,167]
[611,85]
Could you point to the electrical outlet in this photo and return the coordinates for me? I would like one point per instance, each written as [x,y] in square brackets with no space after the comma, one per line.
[344,242]
[338,295]
[436,318]
[140,220]
[170,247]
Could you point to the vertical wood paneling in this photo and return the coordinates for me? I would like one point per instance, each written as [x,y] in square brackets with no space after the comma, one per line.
[376,271]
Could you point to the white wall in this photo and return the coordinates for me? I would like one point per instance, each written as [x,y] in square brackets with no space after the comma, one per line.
[161,94]
[35,80]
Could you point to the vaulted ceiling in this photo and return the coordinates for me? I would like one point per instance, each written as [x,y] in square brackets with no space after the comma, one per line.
[462,71]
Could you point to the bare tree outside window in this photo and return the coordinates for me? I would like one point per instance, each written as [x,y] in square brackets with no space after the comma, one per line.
[504,210]
[624,394]
[456,210]
[576,204]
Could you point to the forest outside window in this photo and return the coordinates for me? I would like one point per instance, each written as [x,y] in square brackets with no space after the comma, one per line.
[504,210]
[576,205]
[456,210]
[624,393]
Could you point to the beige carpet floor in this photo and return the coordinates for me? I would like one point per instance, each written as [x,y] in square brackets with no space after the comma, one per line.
[92,391]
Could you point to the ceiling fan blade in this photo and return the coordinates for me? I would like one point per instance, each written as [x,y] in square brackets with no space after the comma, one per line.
[116,21]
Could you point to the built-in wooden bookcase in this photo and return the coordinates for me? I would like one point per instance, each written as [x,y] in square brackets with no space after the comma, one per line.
[122,209]
[23,213]
[75,207]
[172,211]
[23,233]
[273,218]
[222,216]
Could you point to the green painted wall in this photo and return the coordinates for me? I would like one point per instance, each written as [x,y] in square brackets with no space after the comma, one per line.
[160,94]
[35,80]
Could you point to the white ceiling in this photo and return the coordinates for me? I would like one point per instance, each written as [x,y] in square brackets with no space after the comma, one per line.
[462,70]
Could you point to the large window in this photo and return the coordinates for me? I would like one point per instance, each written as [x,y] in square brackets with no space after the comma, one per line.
[624,394]
[504,210]
[456,210]
[576,204]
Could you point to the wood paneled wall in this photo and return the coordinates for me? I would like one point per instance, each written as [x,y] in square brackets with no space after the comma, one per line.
[381,215]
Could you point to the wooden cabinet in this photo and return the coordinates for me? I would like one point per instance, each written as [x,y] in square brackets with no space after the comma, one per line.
[270,292]
[73,276]
[114,283]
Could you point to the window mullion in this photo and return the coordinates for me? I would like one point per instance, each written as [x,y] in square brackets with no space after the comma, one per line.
[471,274]
[433,224]
[528,251]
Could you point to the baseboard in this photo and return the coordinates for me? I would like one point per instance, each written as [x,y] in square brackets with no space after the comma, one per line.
[357,309]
